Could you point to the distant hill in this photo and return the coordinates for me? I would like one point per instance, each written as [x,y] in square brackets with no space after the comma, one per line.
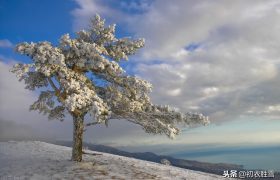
[215,168]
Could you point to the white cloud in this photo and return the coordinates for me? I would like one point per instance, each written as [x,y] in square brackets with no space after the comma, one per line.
[5,43]
[236,59]
[174,92]
[88,9]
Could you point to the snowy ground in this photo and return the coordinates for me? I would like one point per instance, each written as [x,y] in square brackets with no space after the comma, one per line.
[38,160]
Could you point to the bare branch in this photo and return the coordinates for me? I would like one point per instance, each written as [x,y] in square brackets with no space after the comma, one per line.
[92,123]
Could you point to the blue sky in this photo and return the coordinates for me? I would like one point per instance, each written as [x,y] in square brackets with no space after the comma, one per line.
[34,21]
[221,59]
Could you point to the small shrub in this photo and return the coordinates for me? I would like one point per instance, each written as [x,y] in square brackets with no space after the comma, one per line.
[165,162]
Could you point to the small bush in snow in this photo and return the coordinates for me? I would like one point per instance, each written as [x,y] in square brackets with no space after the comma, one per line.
[165,162]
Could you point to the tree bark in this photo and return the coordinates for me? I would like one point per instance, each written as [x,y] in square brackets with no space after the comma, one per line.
[78,129]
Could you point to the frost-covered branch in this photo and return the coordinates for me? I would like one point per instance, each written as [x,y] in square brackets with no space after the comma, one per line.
[162,119]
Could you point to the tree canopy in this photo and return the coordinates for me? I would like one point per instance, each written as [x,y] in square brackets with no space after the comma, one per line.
[82,76]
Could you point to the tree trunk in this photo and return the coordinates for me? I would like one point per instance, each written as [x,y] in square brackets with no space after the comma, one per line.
[78,129]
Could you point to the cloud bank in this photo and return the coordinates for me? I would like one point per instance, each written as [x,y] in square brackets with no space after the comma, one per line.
[18,123]
[220,57]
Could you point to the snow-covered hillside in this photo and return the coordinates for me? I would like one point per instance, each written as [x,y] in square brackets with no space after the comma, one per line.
[38,160]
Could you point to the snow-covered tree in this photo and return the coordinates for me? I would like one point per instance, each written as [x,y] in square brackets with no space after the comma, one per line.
[82,76]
